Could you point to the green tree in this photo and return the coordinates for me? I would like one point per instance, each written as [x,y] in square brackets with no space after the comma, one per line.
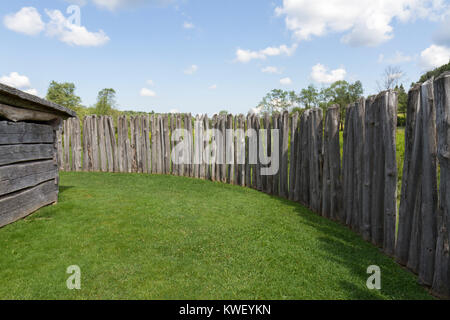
[279,100]
[64,95]
[343,93]
[402,105]
[309,97]
[106,102]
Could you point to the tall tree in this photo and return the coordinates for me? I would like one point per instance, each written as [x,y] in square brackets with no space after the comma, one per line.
[64,94]
[278,100]
[344,93]
[309,97]
[106,102]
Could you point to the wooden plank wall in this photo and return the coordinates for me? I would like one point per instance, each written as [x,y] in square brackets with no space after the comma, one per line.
[357,188]
[28,169]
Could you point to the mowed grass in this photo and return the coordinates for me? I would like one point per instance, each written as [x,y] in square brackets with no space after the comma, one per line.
[163,237]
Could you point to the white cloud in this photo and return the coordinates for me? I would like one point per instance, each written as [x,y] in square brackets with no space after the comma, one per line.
[16,80]
[32,91]
[73,34]
[213,87]
[321,74]
[27,20]
[188,25]
[434,56]
[245,56]
[191,70]
[147,93]
[270,69]
[150,83]
[363,22]
[398,58]
[285,81]
[174,111]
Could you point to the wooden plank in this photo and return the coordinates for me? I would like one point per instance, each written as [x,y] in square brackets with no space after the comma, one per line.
[20,114]
[293,154]
[332,192]
[108,144]
[429,185]
[19,205]
[406,200]
[223,149]
[94,144]
[60,148]
[17,98]
[166,133]
[25,152]
[229,138]
[304,151]
[241,154]
[66,133]
[368,156]
[24,175]
[248,139]
[102,143]
[441,280]
[76,145]
[147,144]
[358,162]
[284,160]
[378,175]
[153,127]
[258,177]
[20,133]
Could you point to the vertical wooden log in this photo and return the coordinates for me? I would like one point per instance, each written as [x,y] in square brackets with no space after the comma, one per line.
[229,140]
[331,186]
[348,165]
[166,144]
[358,162]
[258,179]
[248,167]
[368,156]
[441,280]
[67,130]
[102,143]
[153,121]
[95,144]
[119,145]
[159,145]
[196,133]
[284,160]
[389,122]
[276,176]
[304,190]
[214,148]
[60,148]
[114,149]
[298,158]
[241,151]
[78,146]
[429,186]
[378,174]
[223,146]
[204,167]
[133,146]
[108,145]
[173,126]
[293,155]
[406,199]
[265,150]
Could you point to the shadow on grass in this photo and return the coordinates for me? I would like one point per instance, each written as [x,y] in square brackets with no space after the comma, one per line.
[347,248]
[62,189]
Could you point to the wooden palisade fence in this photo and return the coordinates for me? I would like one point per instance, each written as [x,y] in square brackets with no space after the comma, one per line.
[361,193]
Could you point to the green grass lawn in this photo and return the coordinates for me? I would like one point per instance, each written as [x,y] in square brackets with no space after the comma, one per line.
[162,237]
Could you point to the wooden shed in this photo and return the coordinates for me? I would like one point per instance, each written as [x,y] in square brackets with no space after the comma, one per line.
[28,153]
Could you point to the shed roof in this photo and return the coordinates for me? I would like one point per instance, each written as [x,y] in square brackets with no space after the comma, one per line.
[17,98]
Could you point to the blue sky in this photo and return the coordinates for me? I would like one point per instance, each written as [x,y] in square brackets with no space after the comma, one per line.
[206,56]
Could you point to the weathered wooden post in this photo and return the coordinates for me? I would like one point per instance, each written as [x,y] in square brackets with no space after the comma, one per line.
[293,155]
[441,281]
[331,185]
